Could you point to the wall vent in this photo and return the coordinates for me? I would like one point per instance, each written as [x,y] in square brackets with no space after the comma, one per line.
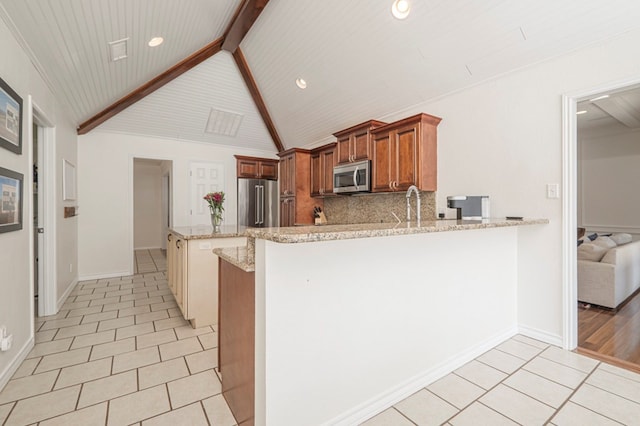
[223,122]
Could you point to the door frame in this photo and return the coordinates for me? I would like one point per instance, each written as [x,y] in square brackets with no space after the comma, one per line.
[570,202]
[47,303]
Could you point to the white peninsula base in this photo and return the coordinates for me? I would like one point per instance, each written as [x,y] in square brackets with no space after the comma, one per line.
[346,328]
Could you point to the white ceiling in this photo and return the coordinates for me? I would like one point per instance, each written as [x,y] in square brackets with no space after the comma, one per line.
[619,112]
[360,63]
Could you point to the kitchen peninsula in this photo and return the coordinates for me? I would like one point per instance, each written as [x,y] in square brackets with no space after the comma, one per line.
[192,269]
[342,321]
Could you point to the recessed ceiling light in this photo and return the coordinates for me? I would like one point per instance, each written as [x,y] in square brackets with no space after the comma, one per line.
[400,9]
[598,98]
[156,41]
[584,111]
[301,83]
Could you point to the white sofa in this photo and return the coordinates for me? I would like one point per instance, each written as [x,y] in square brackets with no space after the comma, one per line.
[608,272]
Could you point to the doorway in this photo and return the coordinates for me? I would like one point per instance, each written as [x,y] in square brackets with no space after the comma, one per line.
[576,316]
[42,149]
[151,213]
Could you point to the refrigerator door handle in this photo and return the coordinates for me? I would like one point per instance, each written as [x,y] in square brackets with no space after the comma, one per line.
[261,204]
[257,208]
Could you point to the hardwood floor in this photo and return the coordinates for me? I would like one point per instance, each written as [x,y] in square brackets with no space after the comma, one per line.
[611,335]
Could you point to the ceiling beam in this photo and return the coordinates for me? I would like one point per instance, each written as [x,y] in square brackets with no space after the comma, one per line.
[241,62]
[151,86]
[245,17]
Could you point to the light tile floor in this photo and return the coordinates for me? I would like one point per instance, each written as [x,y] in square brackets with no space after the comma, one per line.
[120,353]
[151,260]
[523,382]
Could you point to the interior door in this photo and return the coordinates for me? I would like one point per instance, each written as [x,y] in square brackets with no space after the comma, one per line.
[204,178]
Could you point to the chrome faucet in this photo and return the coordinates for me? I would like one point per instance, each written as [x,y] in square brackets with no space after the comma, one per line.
[414,189]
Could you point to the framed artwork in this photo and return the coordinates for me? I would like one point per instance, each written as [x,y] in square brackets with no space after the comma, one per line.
[11,201]
[10,119]
[68,181]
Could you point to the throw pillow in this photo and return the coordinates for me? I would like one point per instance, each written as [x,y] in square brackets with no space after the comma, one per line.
[621,238]
[610,257]
[592,252]
[592,236]
[605,242]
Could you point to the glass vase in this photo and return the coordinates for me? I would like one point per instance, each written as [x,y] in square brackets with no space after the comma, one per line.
[216,221]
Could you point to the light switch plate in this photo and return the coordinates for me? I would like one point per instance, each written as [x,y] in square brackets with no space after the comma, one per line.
[553,190]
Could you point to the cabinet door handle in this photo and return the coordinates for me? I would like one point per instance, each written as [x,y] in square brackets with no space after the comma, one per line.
[178,243]
[169,237]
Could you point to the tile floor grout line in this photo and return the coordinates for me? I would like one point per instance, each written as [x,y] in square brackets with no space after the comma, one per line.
[501,382]
[575,391]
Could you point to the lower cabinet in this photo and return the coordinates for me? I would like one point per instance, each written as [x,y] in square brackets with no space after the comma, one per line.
[236,348]
[192,274]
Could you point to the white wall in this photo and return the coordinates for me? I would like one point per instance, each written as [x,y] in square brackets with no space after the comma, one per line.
[147,205]
[502,138]
[360,338]
[16,262]
[608,199]
[106,222]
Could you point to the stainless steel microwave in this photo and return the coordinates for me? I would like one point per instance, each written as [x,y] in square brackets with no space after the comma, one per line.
[352,177]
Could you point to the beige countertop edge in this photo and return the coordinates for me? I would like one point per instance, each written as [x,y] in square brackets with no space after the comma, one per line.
[304,234]
[237,256]
[205,232]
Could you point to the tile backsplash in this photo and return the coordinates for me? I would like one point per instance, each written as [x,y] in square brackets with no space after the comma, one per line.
[376,208]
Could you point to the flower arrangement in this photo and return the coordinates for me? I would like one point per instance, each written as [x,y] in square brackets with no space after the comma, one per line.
[215,201]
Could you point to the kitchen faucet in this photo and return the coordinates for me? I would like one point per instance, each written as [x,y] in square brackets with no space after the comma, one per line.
[414,189]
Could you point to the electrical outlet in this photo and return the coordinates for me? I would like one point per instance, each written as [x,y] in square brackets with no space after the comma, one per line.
[553,190]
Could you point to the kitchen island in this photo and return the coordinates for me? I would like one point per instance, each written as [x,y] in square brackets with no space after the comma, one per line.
[192,269]
[349,319]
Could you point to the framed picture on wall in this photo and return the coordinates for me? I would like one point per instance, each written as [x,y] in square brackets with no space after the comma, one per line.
[10,119]
[68,181]
[11,200]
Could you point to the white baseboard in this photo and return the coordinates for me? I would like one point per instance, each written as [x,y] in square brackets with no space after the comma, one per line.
[543,336]
[105,275]
[65,295]
[13,366]
[394,395]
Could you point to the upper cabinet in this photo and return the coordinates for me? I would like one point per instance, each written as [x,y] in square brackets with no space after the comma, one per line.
[323,159]
[404,153]
[296,204]
[354,143]
[259,168]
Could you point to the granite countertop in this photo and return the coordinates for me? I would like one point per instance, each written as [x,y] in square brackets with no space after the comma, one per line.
[305,234]
[206,231]
[236,256]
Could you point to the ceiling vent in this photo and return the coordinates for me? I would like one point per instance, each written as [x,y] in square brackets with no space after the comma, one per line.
[118,49]
[223,122]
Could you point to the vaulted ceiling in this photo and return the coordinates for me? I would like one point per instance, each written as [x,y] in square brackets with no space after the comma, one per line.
[359,62]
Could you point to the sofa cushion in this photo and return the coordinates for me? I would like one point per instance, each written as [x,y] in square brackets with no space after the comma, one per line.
[592,252]
[621,238]
[605,242]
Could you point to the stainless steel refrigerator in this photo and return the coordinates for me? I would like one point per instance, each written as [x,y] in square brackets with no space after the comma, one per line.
[257,202]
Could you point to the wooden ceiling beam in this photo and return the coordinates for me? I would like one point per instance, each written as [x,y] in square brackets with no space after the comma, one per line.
[241,62]
[151,86]
[242,21]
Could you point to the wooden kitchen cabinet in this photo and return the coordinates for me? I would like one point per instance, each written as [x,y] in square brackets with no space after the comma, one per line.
[296,204]
[354,143]
[254,167]
[404,153]
[323,159]
[192,275]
